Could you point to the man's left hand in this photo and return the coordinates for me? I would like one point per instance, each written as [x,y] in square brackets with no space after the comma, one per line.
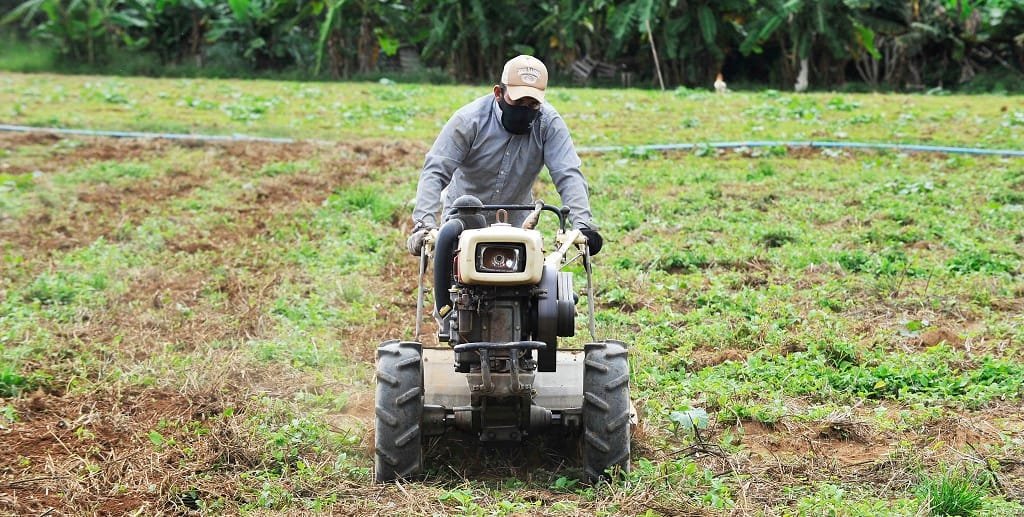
[416,238]
[594,240]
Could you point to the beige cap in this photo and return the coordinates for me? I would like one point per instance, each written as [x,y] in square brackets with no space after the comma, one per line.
[525,76]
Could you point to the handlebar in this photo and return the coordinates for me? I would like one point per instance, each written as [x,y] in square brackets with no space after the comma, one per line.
[563,239]
[562,212]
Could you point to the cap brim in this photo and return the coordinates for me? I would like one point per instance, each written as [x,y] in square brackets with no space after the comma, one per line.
[518,92]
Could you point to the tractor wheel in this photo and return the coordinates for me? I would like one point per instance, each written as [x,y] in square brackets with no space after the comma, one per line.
[606,410]
[399,409]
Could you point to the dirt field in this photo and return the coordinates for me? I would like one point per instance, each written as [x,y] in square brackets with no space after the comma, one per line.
[191,328]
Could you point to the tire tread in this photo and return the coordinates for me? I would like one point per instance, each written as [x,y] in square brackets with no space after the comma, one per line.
[399,408]
[606,409]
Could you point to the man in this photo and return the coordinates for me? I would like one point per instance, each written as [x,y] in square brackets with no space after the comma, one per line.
[494,147]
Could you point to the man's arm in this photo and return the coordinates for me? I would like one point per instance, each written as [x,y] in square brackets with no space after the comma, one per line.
[447,153]
[564,165]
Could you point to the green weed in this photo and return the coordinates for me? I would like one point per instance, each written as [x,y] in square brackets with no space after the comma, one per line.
[777,238]
[683,478]
[835,501]
[366,199]
[65,288]
[980,261]
[15,182]
[110,172]
[285,168]
[249,108]
[8,413]
[11,382]
[837,374]
[952,493]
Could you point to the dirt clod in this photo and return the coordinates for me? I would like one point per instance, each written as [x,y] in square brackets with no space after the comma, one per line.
[940,335]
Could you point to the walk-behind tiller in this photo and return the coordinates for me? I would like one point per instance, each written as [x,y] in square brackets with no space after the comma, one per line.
[501,306]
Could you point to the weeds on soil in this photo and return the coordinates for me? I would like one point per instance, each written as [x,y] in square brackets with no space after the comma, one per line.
[190,328]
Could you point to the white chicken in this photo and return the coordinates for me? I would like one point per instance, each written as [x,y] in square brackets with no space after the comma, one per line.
[719,84]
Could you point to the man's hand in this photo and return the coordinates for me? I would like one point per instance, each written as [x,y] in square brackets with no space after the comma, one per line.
[594,240]
[415,241]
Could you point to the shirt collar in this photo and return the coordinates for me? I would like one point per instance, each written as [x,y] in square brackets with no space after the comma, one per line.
[495,109]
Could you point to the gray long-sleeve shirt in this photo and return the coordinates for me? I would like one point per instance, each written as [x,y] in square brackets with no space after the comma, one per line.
[475,155]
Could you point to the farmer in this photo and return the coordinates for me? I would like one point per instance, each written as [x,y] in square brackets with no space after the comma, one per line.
[494,147]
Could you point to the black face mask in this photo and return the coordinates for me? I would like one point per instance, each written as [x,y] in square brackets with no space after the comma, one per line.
[517,119]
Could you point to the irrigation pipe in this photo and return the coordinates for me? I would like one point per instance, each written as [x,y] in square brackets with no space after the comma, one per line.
[598,149]
[804,143]
[144,135]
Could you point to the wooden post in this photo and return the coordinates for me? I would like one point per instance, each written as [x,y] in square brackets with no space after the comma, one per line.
[654,51]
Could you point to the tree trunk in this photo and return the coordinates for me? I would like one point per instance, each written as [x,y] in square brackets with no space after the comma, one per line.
[822,67]
[788,60]
[334,54]
[840,72]
[197,38]
[366,47]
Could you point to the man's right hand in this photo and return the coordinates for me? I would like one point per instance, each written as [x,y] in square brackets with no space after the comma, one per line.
[415,241]
[594,240]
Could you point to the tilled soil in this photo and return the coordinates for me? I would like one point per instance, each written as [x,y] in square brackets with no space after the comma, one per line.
[93,450]
[103,450]
[98,210]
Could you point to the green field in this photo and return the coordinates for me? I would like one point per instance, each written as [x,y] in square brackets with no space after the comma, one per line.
[337,112]
[190,327]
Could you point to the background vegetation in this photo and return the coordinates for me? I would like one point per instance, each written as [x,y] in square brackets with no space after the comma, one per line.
[878,44]
[190,328]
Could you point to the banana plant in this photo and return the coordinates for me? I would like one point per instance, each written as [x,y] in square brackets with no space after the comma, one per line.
[265,33]
[692,38]
[474,37]
[172,29]
[569,29]
[358,31]
[956,38]
[331,21]
[898,42]
[800,29]
[83,30]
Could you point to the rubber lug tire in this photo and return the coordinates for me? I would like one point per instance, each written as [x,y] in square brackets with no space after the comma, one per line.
[398,447]
[606,409]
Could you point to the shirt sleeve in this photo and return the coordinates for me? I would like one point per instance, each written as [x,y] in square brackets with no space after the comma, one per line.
[446,155]
[564,165]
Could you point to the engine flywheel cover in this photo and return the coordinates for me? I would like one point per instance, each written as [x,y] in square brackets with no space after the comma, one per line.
[547,319]
[566,305]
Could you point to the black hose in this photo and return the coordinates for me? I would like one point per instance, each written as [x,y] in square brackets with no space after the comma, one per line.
[447,240]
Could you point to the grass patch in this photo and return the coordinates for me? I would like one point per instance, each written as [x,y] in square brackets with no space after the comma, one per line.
[221,303]
[952,493]
[344,110]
